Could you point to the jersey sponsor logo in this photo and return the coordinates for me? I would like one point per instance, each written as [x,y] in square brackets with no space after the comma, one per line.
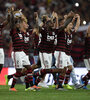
[69,39]
[49,37]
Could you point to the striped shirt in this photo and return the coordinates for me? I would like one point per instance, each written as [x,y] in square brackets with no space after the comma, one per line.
[87,47]
[46,40]
[17,40]
[1,41]
[27,42]
[68,38]
[61,42]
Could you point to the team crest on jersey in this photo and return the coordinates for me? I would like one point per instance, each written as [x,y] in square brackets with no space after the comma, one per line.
[20,35]
[27,33]
[26,39]
[42,28]
[53,33]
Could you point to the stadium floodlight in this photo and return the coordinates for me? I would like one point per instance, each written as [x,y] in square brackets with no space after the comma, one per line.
[77,4]
[84,22]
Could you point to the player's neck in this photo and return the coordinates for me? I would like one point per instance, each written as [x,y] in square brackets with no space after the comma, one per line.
[68,31]
[23,30]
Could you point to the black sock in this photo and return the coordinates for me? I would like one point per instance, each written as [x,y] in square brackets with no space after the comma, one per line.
[10,76]
[27,85]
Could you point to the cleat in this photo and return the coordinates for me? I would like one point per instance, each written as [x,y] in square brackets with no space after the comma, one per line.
[6,78]
[66,86]
[27,89]
[36,87]
[85,87]
[82,82]
[32,88]
[53,85]
[12,89]
[78,86]
[43,85]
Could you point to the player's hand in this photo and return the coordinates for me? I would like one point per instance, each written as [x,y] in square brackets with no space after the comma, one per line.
[36,15]
[71,14]
[77,16]
[24,70]
[54,15]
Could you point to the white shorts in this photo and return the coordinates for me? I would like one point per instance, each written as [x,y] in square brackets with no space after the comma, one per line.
[46,60]
[62,60]
[1,56]
[68,60]
[20,59]
[87,63]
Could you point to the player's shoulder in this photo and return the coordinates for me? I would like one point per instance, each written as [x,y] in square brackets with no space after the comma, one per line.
[14,31]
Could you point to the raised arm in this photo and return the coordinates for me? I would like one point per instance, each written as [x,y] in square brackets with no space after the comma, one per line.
[67,19]
[77,22]
[55,20]
[88,32]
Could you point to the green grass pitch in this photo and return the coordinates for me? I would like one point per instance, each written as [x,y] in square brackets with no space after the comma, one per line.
[43,94]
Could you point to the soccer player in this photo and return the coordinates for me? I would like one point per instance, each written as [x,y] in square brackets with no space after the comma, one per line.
[1,44]
[86,78]
[69,31]
[47,36]
[1,50]
[46,44]
[61,48]
[21,60]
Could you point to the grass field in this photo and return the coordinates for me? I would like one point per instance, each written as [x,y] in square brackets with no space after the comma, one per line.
[43,94]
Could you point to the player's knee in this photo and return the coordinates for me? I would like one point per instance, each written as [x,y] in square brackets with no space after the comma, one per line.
[70,67]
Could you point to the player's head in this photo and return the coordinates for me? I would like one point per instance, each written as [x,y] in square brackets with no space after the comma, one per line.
[69,26]
[49,23]
[20,20]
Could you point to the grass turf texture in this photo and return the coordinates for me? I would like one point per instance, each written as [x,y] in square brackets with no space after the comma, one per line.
[43,94]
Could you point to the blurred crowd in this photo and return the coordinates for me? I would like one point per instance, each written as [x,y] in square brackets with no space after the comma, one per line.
[62,7]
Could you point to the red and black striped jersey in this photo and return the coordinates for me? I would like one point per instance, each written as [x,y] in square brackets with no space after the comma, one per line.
[61,42]
[30,42]
[46,40]
[17,40]
[27,42]
[77,52]
[87,47]
[68,38]
[1,41]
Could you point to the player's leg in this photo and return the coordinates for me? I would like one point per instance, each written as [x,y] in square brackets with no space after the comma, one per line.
[74,80]
[86,78]
[1,59]
[59,56]
[17,58]
[68,72]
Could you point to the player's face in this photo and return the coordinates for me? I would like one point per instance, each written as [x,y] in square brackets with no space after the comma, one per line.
[25,25]
[70,26]
[49,24]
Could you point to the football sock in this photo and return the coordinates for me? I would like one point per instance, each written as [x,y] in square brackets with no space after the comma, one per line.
[86,78]
[67,76]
